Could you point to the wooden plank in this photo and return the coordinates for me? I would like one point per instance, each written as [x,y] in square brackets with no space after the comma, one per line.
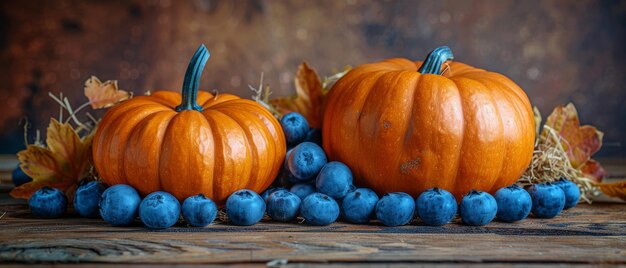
[584,235]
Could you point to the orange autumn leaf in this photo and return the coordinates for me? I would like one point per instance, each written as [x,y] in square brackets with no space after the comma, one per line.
[593,170]
[580,142]
[308,99]
[614,189]
[61,165]
[104,95]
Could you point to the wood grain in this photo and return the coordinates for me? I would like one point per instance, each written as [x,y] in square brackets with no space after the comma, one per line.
[584,235]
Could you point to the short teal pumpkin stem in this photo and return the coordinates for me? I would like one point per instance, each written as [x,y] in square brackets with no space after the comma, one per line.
[192,80]
[435,59]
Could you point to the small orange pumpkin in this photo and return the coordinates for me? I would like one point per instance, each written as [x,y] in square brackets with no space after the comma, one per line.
[217,147]
[404,126]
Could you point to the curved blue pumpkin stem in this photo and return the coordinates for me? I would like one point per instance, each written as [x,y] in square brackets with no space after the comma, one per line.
[435,59]
[192,80]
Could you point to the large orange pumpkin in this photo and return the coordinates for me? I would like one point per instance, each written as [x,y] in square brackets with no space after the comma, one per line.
[216,147]
[406,126]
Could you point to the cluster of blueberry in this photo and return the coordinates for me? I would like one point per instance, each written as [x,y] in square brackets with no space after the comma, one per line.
[321,191]
[314,189]
[120,204]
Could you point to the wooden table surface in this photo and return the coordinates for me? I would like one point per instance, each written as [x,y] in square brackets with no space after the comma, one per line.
[585,235]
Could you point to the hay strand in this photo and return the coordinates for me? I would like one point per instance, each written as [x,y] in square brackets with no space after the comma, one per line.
[550,163]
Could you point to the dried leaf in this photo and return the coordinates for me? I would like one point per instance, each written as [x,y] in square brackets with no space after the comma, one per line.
[580,142]
[614,189]
[308,99]
[537,120]
[593,170]
[61,165]
[104,95]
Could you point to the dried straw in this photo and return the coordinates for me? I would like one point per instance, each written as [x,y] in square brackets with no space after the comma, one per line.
[550,163]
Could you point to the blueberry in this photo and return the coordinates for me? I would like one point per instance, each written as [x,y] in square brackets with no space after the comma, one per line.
[548,200]
[395,209]
[159,210]
[306,161]
[87,198]
[266,194]
[436,207]
[358,206]
[283,206]
[478,208]
[514,203]
[199,210]
[19,177]
[295,128]
[315,136]
[319,209]
[48,203]
[245,207]
[571,190]
[303,190]
[119,204]
[352,188]
[334,180]
[284,179]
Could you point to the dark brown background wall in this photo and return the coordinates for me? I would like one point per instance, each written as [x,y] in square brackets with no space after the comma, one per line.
[558,51]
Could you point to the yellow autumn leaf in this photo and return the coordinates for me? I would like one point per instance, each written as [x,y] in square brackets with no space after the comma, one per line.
[308,99]
[104,95]
[61,165]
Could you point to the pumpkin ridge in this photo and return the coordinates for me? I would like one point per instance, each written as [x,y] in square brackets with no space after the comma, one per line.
[470,90]
[160,141]
[123,108]
[513,98]
[461,137]
[406,123]
[262,114]
[191,163]
[218,161]
[136,137]
[458,180]
[466,70]
[409,159]
[510,147]
[219,99]
[489,78]
[204,97]
[372,79]
[215,159]
[331,129]
[164,97]
[504,141]
[386,112]
[236,115]
[258,113]
[277,141]
[115,153]
[409,130]
[433,110]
